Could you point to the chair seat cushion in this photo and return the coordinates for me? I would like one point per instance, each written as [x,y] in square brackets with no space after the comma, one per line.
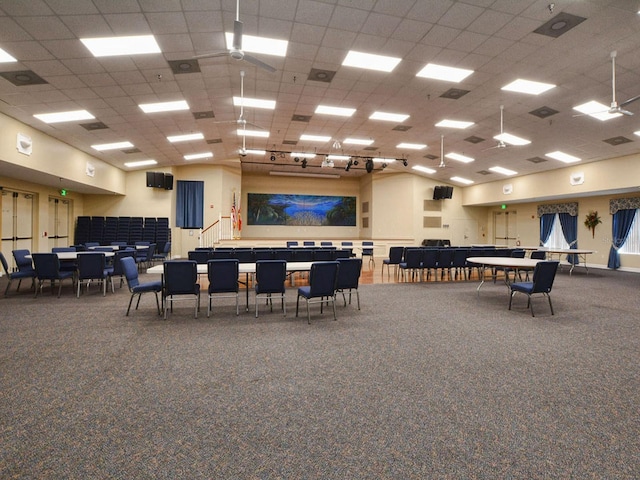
[148,287]
[304,291]
[19,274]
[525,287]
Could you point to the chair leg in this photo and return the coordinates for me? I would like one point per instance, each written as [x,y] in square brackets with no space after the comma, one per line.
[550,306]
[530,305]
[308,313]
[297,304]
[131,300]
[333,301]
[358,298]
[513,292]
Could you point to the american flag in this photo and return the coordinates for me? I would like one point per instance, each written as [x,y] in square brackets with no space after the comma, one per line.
[234,213]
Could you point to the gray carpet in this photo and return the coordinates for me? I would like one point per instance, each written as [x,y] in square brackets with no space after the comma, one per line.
[426,381]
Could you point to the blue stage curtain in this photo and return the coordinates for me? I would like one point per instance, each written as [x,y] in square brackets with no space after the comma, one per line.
[190,204]
[622,221]
[569,225]
[546,225]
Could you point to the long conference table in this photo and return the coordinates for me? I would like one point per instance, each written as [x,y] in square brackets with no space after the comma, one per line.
[247,269]
[504,262]
[580,253]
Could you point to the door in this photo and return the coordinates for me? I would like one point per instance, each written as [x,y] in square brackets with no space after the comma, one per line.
[17,222]
[505,227]
[59,218]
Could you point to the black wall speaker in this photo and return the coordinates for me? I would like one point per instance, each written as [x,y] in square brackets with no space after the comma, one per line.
[150,179]
[442,191]
[448,192]
[437,192]
[168,181]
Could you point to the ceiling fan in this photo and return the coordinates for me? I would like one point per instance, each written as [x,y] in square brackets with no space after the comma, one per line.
[236,47]
[501,142]
[442,165]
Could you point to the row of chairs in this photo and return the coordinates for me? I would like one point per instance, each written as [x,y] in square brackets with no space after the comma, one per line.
[252,255]
[326,279]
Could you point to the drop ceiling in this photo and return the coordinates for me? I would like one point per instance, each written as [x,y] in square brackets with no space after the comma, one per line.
[500,40]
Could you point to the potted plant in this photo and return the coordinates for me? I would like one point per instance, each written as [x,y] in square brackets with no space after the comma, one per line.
[591,221]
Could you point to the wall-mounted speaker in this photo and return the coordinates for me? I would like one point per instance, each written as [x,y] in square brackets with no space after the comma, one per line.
[150,178]
[168,181]
[442,191]
[437,193]
[158,179]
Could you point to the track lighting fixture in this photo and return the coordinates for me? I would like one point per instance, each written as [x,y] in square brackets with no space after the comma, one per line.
[304,163]
[272,157]
[355,163]
[348,167]
[404,162]
[369,165]
[296,159]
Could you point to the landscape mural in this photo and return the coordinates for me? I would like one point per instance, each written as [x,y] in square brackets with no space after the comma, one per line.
[301,210]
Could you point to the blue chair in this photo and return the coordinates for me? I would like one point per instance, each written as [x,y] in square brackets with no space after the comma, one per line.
[118,270]
[326,244]
[459,263]
[445,261]
[430,261]
[144,256]
[199,256]
[323,282]
[292,243]
[412,262]
[308,243]
[47,266]
[23,263]
[270,278]
[544,274]
[19,275]
[223,278]
[165,254]
[349,278]
[135,287]
[66,265]
[395,257]
[180,281]
[244,255]
[367,251]
[92,266]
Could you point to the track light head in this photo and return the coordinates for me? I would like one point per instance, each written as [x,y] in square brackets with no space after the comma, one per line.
[272,157]
[369,165]
[296,159]
[304,163]
[355,162]
[404,162]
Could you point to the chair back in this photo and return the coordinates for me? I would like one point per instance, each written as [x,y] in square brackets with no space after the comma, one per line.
[24,264]
[413,257]
[167,248]
[199,256]
[395,255]
[309,243]
[223,275]
[130,270]
[303,255]
[220,253]
[445,257]
[539,255]
[346,244]
[262,254]
[326,244]
[63,249]
[91,244]
[91,265]
[349,273]
[518,253]
[5,265]
[459,257]
[543,276]
[367,247]
[430,257]
[180,277]
[292,243]
[243,255]
[323,255]
[119,255]
[285,254]
[47,266]
[323,279]
[270,276]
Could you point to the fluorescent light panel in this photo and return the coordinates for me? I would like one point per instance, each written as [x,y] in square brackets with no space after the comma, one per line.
[263,45]
[441,72]
[563,157]
[459,158]
[112,146]
[528,86]
[5,57]
[358,141]
[454,124]
[422,169]
[370,61]
[250,151]
[466,181]
[253,133]
[338,157]
[112,46]
[255,103]
[389,117]
[140,163]
[185,138]
[198,156]
[512,139]
[596,110]
[339,111]
[60,117]
[412,146]
[164,106]
[314,138]
[503,171]
[383,160]
[302,155]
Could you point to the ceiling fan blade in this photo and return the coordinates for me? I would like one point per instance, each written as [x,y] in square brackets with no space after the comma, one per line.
[631,100]
[259,63]
[237,35]
[212,55]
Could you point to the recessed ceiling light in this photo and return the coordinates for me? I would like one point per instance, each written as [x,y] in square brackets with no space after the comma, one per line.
[637,133]
[60,117]
[263,45]
[459,158]
[563,157]
[338,157]
[314,138]
[255,103]
[383,160]
[140,163]
[358,141]
[389,117]
[198,156]
[185,138]
[422,169]
[112,146]
[250,151]
[370,61]
[340,111]
[454,124]
[302,155]
[111,46]
[441,72]
[253,133]
[596,110]
[503,171]
[466,181]
[5,57]
[164,106]
[527,86]
[412,146]
[512,139]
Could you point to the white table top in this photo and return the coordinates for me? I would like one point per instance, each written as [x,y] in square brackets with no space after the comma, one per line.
[508,262]
[74,255]
[242,268]
[566,250]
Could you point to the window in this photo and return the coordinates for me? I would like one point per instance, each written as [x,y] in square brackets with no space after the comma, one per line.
[632,244]
[556,238]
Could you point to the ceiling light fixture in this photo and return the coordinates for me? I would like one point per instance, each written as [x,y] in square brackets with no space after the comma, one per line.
[466,181]
[164,106]
[512,139]
[254,102]
[140,163]
[389,117]
[563,157]
[198,156]
[128,45]
[253,133]
[314,138]
[185,138]
[354,141]
[112,146]
[262,45]
[441,72]
[459,158]
[528,86]
[5,57]
[454,124]
[339,111]
[412,146]
[370,61]
[502,171]
[422,169]
[60,117]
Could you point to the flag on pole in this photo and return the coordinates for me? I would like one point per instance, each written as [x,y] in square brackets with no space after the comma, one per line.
[234,212]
